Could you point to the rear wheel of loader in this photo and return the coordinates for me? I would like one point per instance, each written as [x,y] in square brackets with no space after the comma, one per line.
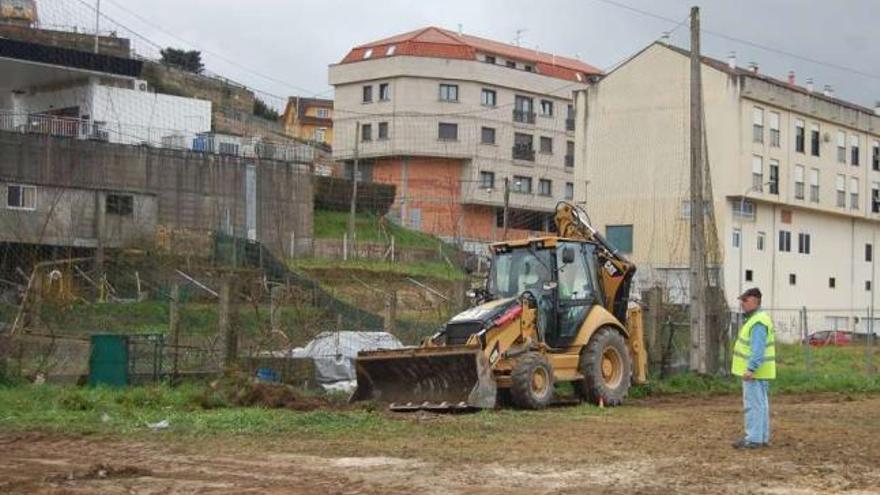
[531,381]
[607,368]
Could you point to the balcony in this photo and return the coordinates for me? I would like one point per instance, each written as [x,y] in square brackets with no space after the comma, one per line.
[569,161]
[526,153]
[569,124]
[524,117]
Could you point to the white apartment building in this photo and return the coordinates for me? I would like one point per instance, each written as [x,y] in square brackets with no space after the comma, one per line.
[795,184]
[447,117]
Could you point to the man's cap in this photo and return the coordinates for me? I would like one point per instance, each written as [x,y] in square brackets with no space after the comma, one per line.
[753,292]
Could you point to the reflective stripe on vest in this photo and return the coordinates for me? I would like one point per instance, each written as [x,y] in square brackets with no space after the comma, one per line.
[742,348]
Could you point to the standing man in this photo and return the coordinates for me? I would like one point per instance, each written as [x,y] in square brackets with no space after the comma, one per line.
[754,359]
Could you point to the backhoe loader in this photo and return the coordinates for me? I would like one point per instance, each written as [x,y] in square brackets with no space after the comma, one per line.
[554,309]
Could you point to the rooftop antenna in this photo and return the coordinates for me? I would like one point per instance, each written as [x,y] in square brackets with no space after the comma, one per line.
[518,39]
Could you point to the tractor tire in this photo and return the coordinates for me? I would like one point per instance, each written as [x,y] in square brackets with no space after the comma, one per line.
[531,382]
[607,368]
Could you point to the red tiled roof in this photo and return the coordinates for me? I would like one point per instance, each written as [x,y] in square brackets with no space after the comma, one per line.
[442,43]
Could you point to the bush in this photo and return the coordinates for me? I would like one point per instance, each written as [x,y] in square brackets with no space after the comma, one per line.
[333,193]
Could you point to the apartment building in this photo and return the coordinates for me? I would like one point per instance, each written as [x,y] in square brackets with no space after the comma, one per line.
[795,183]
[455,122]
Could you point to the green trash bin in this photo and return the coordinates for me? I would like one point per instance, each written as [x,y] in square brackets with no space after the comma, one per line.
[108,360]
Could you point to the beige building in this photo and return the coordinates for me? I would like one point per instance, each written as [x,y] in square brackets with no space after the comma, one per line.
[447,117]
[795,184]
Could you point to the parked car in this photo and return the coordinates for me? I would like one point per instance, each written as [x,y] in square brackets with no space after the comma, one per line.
[829,337]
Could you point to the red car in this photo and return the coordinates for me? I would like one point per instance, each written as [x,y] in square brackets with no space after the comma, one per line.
[829,337]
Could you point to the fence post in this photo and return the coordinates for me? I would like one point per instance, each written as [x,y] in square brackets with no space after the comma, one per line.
[226,330]
[275,300]
[390,312]
[654,299]
[174,327]
[869,342]
[805,332]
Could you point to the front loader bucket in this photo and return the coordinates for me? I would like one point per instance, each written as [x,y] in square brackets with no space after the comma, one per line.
[426,378]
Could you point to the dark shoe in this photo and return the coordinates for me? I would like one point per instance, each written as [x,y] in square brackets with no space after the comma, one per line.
[745,444]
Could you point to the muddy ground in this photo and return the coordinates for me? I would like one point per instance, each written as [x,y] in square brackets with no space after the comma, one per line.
[820,444]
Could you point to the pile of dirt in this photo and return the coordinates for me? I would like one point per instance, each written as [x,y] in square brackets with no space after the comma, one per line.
[244,391]
[101,472]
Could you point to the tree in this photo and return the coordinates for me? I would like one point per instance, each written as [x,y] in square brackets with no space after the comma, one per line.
[188,60]
[262,109]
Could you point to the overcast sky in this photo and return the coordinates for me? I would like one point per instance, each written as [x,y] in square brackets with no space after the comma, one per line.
[293,42]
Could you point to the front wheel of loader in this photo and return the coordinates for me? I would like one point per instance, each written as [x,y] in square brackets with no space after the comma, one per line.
[607,368]
[531,381]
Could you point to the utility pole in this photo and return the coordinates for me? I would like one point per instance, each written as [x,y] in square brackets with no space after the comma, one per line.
[506,206]
[97,23]
[697,285]
[354,187]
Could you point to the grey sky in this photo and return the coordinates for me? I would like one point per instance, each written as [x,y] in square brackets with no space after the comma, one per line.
[295,41]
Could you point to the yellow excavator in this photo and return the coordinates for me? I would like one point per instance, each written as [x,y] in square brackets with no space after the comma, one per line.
[554,309]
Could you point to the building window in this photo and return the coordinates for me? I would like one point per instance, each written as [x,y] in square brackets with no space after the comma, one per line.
[523,148]
[522,185]
[569,118]
[741,209]
[366,132]
[737,238]
[749,276]
[447,132]
[511,64]
[449,92]
[120,204]
[875,197]
[758,125]
[841,147]
[869,252]
[799,182]
[774,129]
[854,193]
[390,50]
[875,156]
[569,191]
[323,113]
[523,110]
[546,144]
[490,59]
[368,94]
[569,154]
[774,177]
[487,135]
[529,68]
[840,183]
[814,139]
[761,240]
[383,130]
[489,98]
[792,279]
[384,92]
[784,241]
[620,236]
[21,197]
[487,180]
[545,187]
[832,283]
[868,285]
[854,150]
[321,134]
[757,173]
[799,136]
[814,185]
[546,108]
[803,243]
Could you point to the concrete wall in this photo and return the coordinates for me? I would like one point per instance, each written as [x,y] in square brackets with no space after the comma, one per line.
[107,45]
[191,191]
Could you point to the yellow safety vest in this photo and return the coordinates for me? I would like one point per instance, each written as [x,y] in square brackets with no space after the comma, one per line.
[742,349]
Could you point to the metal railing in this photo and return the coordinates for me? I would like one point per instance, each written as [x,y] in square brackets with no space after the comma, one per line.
[524,153]
[524,116]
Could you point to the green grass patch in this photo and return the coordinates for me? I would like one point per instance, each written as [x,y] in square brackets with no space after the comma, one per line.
[370,228]
[799,370]
[428,269]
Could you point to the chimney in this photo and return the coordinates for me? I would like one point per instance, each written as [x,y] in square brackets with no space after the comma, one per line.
[460,29]
[828,91]
[753,67]
[791,78]
[731,60]
[810,84]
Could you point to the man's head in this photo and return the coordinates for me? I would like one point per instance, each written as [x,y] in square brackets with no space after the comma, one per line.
[750,300]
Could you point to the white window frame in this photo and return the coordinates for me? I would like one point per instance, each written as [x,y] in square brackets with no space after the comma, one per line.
[758,173]
[854,193]
[799,184]
[444,96]
[854,147]
[483,94]
[840,185]
[841,147]
[22,188]
[814,185]
[757,125]
[736,238]
[761,240]
[774,129]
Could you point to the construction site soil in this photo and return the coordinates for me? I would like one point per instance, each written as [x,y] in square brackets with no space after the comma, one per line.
[820,444]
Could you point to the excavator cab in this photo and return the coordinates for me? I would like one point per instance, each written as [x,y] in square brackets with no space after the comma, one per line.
[554,309]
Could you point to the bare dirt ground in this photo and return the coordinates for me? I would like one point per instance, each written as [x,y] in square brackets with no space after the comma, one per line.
[820,444]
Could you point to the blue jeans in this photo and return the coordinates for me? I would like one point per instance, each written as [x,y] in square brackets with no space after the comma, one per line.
[756,406]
